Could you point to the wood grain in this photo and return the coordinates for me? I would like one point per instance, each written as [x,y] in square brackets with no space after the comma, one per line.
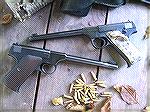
[57,84]
[136,75]
[148,62]
[12,33]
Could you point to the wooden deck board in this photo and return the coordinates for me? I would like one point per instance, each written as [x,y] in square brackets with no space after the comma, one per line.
[148,62]
[136,75]
[57,84]
[12,33]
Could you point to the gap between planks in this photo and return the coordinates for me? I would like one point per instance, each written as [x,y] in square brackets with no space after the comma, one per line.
[100,52]
[39,73]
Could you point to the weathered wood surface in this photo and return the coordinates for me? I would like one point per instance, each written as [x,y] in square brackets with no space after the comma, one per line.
[148,63]
[136,75]
[57,84]
[12,33]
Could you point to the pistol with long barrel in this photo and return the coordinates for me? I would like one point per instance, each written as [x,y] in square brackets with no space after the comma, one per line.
[29,59]
[114,35]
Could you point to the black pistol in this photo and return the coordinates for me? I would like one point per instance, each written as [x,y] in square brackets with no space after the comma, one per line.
[29,59]
[114,35]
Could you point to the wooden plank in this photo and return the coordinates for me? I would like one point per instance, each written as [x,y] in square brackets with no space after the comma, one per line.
[57,84]
[12,33]
[148,63]
[136,75]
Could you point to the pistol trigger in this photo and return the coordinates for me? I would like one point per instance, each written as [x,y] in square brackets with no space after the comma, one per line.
[108,44]
[124,30]
[93,43]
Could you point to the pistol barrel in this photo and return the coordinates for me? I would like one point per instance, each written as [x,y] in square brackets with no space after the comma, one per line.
[36,37]
[90,62]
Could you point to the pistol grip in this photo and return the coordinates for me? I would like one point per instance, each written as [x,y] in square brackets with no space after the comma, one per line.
[18,75]
[124,47]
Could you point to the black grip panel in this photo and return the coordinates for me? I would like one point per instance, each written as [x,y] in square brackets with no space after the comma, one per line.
[18,75]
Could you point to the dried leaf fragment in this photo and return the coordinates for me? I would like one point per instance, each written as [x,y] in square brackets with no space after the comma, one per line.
[7,18]
[147,33]
[57,101]
[146,109]
[117,88]
[128,94]
[89,107]
[106,107]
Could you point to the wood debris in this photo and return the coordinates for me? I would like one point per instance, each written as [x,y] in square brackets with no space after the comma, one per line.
[147,33]
[146,109]
[107,105]
[7,18]
[128,93]
[89,107]
[117,88]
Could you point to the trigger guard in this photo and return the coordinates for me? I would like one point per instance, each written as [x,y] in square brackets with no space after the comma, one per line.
[105,43]
[92,41]
[44,71]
